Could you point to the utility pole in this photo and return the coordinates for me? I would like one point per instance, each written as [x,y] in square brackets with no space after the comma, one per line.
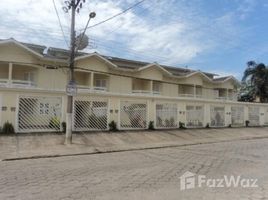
[71,89]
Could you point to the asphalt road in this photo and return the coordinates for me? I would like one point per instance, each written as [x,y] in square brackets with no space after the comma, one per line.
[145,174]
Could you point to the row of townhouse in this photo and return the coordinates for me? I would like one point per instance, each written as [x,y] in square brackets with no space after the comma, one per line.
[33,81]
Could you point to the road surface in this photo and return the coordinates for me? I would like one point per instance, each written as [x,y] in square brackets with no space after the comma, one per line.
[145,174]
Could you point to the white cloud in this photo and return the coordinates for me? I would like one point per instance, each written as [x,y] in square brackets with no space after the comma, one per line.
[169,32]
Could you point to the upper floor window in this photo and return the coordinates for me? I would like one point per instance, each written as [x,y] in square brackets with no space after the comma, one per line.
[156,87]
[216,93]
[101,83]
[29,76]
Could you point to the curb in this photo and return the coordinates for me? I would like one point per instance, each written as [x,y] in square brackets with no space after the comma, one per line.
[131,149]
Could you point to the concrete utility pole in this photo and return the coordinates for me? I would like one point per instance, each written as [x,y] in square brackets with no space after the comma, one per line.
[71,89]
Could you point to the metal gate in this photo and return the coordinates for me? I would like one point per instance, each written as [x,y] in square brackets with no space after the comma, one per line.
[39,114]
[266,116]
[194,116]
[217,116]
[90,115]
[166,115]
[237,113]
[254,116]
[133,115]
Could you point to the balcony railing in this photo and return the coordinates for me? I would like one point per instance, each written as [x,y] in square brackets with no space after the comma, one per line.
[141,91]
[83,88]
[101,89]
[156,92]
[3,82]
[22,83]
[186,95]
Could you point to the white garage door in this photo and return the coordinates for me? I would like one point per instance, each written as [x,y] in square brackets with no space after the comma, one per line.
[166,115]
[133,115]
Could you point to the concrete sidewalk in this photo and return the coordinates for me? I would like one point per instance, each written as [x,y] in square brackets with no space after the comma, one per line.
[49,145]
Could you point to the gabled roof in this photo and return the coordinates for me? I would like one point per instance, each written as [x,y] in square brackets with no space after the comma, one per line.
[61,55]
[98,56]
[199,73]
[36,50]
[135,65]
[154,65]
[225,79]
[13,41]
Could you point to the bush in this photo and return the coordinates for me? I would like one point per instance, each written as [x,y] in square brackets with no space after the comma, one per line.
[63,125]
[230,126]
[8,128]
[247,123]
[182,125]
[54,123]
[207,126]
[151,125]
[113,126]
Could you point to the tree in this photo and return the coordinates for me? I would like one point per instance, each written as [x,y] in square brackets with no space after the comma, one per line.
[255,82]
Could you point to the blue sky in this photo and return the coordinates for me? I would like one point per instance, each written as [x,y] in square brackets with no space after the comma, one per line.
[217,36]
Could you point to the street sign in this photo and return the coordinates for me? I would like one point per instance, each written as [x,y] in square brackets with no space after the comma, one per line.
[71,88]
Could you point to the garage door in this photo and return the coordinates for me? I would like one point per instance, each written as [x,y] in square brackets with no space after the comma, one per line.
[133,115]
[39,114]
[266,116]
[90,115]
[217,116]
[237,113]
[166,115]
[194,116]
[254,116]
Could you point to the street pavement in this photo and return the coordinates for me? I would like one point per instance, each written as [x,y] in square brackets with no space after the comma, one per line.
[141,174]
[49,145]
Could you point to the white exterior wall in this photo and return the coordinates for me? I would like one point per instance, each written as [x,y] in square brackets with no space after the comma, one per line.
[52,82]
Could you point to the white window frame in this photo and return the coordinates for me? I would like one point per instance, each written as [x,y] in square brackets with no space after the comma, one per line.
[29,76]
[156,87]
[102,83]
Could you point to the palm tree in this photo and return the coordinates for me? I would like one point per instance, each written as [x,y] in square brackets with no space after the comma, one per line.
[256,79]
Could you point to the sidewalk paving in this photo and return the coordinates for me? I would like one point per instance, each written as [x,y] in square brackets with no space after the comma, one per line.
[22,146]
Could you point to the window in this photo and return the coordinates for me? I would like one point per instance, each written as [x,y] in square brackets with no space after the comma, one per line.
[156,87]
[29,76]
[216,93]
[101,83]
[44,108]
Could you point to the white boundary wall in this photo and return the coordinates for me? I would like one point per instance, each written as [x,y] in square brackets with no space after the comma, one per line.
[135,112]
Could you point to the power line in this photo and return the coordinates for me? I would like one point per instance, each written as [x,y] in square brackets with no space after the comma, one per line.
[118,14]
[120,25]
[63,34]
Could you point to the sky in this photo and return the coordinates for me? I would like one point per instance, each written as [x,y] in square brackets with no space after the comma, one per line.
[217,36]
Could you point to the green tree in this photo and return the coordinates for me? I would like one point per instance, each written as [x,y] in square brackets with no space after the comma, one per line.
[255,82]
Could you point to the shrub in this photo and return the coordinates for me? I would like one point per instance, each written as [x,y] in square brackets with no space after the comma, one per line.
[182,125]
[63,125]
[8,128]
[54,123]
[207,126]
[230,126]
[151,125]
[113,126]
[247,123]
